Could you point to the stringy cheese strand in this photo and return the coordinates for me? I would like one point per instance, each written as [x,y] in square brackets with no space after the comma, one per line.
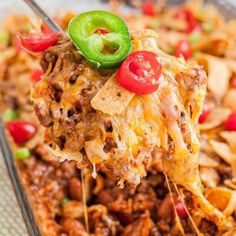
[186,209]
[84,203]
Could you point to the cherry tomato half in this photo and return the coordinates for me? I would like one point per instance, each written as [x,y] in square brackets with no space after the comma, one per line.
[140,73]
[37,42]
[205,112]
[183,48]
[186,15]
[230,123]
[21,130]
[36,75]
[148,8]
[180,209]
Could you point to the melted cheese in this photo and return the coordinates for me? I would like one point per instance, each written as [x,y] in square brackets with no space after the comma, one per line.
[142,123]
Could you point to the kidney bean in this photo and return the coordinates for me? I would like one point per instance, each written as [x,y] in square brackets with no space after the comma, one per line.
[72,227]
[166,208]
[75,189]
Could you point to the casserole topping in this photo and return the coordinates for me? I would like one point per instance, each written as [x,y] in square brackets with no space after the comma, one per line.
[140,73]
[102,38]
[37,42]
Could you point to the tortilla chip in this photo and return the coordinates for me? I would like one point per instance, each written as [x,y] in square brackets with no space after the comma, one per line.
[208,13]
[7,55]
[223,199]
[231,207]
[223,150]
[231,183]
[230,99]
[177,24]
[218,74]
[230,137]
[112,99]
[170,38]
[207,161]
[217,117]
[216,43]
[209,176]
[230,27]
[133,21]
[94,151]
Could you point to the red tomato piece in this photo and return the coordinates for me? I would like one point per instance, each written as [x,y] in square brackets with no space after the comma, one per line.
[181,14]
[37,42]
[230,123]
[140,73]
[21,130]
[183,48]
[102,31]
[36,75]
[205,112]
[148,8]
[45,29]
[180,209]
[193,26]
[186,15]
[233,82]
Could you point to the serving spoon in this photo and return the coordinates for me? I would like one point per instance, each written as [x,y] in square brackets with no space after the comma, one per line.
[43,15]
[5,150]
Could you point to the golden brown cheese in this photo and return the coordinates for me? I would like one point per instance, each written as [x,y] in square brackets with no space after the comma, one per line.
[120,133]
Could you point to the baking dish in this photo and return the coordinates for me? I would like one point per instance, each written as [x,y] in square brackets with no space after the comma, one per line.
[32,227]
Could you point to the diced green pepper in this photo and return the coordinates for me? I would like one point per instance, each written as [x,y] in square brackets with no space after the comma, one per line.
[27,27]
[207,27]
[64,200]
[155,24]
[101,50]
[202,188]
[170,50]
[4,38]
[22,153]
[194,37]
[9,114]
